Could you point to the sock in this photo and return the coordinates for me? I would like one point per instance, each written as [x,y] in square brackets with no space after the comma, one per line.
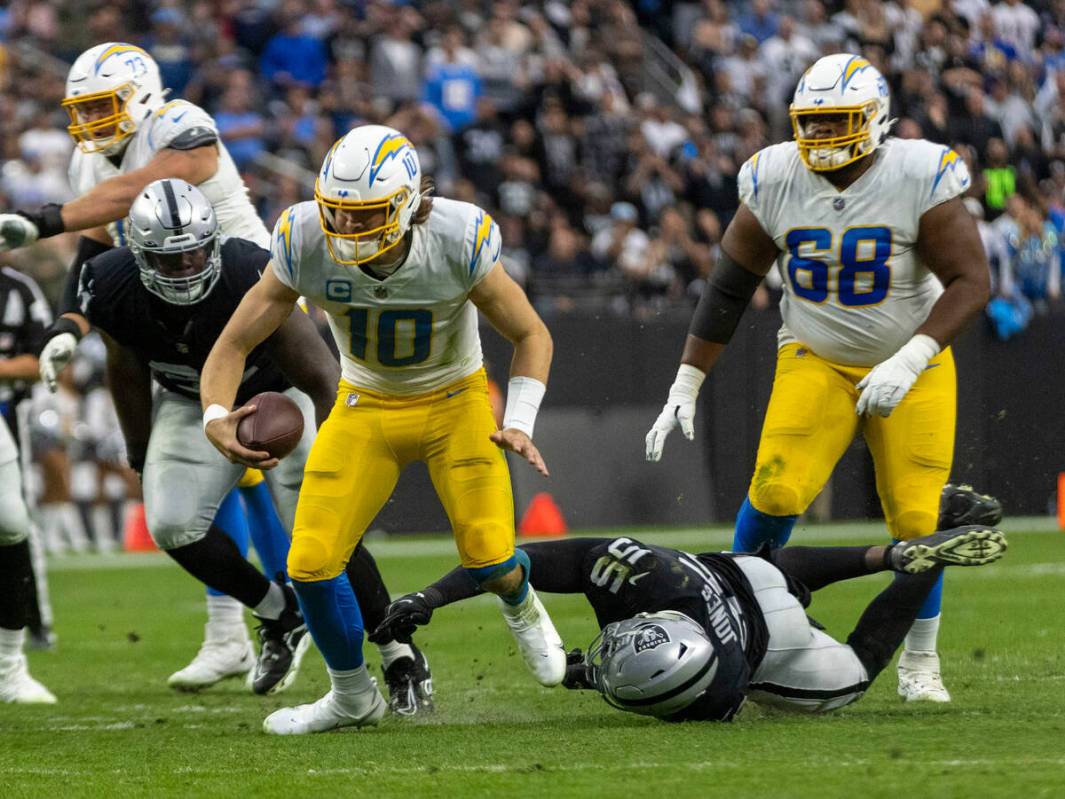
[273,604]
[922,635]
[230,520]
[486,574]
[268,535]
[754,528]
[816,567]
[16,576]
[215,561]
[350,684]
[393,651]
[883,626]
[334,620]
[224,611]
[369,586]
[11,642]
[523,590]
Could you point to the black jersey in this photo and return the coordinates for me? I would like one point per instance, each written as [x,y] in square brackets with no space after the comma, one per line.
[174,340]
[24,317]
[623,577]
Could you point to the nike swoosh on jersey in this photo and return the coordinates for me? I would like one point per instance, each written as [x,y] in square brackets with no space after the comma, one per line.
[178,117]
[635,577]
[931,366]
[455,393]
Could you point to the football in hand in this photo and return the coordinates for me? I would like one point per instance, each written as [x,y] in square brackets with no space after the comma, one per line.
[275,427]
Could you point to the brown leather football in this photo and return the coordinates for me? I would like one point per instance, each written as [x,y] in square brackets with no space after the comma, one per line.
[275,427]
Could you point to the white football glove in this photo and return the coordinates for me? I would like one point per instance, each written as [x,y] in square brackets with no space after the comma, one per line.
[888,382]
[679,409]
[16,231]
[55,356]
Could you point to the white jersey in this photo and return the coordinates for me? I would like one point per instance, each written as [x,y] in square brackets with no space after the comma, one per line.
[225,188]
[855,289]
[414,331]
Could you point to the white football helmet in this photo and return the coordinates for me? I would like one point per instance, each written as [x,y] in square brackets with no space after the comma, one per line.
[111,88]
[371,178]
[841,84]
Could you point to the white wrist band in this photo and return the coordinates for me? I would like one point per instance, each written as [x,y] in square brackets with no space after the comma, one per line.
[524,395]
[688,381]
[213,412]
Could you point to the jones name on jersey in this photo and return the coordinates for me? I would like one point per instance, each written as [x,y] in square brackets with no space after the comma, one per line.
[174,340]
[855,289]
[413,331]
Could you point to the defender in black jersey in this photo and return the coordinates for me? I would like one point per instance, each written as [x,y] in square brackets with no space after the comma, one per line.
[160,310]
[741,617]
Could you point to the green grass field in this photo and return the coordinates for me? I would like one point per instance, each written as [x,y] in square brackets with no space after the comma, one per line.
[125,622]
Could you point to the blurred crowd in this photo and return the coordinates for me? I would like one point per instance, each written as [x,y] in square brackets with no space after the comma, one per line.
[610,166]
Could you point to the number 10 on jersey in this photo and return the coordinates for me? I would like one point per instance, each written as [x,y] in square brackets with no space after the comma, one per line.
[403,338]
[861,250]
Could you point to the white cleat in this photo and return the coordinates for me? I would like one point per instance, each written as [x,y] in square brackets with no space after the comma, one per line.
[538,641]
[18,687]
[226,652]
[326,714]
[919,678]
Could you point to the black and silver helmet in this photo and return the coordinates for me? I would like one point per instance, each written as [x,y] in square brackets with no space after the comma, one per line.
[654,664]
[173,235]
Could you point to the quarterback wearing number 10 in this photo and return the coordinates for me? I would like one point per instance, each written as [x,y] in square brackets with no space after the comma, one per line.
[882,267]
[401,276]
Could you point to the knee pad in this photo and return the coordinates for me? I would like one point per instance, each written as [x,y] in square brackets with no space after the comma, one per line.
[169,533]
[776,499]
[310,560]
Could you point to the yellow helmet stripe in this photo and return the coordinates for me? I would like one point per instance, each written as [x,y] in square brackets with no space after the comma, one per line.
[115,49]
[854,66]
[390,146]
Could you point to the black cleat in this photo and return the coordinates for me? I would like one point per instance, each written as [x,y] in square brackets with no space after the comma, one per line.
[282,644]
[410,685]
[966,546]
[960,505]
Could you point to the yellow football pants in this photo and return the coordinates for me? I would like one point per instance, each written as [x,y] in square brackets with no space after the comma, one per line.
[811,421]
[357,457]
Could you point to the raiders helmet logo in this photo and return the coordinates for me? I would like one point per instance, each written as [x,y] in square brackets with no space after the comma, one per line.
[649,637]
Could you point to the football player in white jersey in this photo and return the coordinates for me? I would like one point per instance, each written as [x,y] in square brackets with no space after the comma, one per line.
[401,276]
[882,268]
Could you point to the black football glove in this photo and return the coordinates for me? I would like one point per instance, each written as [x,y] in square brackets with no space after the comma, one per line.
[960,505]
[402,618]
[580,674]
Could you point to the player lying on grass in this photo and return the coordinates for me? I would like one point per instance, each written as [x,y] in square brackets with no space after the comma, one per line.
[691,637]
